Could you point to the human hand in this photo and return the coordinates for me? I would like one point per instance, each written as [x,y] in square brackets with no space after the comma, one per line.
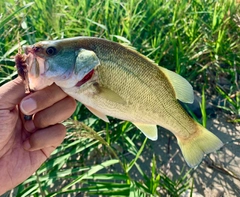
[25,145]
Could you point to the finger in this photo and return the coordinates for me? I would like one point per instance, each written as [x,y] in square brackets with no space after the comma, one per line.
[49,137]
[56,113]
[11,93]
[47,151]
[41,99]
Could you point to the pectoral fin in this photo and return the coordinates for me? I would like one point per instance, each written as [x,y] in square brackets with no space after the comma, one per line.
[108,94]
[98,113]
[150,131]
[182,88]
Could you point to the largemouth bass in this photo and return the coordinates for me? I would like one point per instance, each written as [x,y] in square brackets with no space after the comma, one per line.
[113,80]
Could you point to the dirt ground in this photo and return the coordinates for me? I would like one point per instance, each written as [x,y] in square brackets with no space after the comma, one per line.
[218,175]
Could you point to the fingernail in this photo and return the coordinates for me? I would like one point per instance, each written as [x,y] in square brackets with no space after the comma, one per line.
[28,105]
[26,145]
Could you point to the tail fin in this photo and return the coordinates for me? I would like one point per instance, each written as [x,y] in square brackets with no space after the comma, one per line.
[202,142]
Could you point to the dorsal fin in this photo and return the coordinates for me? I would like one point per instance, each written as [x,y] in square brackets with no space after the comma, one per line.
[182,88]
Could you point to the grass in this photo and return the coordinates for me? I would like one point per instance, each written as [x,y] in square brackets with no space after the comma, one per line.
[197,39]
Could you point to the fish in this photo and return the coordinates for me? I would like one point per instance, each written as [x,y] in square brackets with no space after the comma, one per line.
[111,79]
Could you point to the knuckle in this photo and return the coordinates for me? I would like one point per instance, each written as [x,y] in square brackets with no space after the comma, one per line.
[40,121]
[61,130]
[49,95]
[72,103]
[34,141]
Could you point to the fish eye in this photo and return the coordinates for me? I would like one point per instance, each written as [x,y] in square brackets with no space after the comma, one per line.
[51,50]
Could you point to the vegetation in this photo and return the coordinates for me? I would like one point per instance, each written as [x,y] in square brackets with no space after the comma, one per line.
[197,39]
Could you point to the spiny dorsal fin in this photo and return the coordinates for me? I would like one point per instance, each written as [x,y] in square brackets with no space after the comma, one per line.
[150,131]
[182,88]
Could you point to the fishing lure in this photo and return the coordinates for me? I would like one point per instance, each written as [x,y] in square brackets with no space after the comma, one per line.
[21,65]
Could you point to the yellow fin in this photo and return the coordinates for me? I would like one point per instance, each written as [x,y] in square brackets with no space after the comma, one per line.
[182,88]
[98,113]
[112,96]
[194,149]
[150,131]
[109,94]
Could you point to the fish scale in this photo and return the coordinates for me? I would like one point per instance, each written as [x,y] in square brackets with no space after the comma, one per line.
[142,93]
[114,80]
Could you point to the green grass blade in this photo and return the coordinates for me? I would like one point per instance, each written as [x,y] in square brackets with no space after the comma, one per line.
[11,16]
[90,172]
[131,164]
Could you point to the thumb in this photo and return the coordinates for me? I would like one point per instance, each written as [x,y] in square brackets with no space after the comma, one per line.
[11,93]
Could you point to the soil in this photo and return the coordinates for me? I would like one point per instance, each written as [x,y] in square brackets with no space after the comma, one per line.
[219,173]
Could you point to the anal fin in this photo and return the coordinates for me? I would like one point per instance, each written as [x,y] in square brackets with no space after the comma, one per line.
[150,131]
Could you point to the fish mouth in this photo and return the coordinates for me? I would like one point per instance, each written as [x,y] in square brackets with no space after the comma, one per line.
[35,69]
[33,65]
[32,61]
[41,74]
